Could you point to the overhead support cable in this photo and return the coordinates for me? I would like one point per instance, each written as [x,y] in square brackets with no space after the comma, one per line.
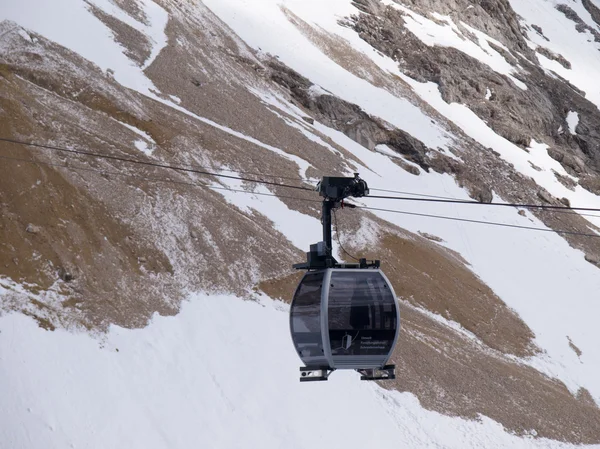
[420,195]
[425,198]
[151,164]
[146,179]
[473,202]
[467,220]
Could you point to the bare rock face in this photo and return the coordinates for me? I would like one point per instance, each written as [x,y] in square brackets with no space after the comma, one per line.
[580,24]
[555,57]
[136,44]
[572,163]
[66,274]
[591,183]
[408,146]
[461,78]
[593,260]
[545,197]
[519,115]
[348,118]
[289,78]
[504,23]
[516,114]
[593,10]
[538,30]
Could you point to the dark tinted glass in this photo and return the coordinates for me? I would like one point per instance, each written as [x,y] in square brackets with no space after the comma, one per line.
[362,313]
[306,318]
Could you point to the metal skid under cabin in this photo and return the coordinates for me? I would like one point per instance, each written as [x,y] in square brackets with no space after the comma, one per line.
[343,316]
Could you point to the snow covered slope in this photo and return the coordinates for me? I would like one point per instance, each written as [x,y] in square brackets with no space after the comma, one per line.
[66,24]
[220,374]
[423,99]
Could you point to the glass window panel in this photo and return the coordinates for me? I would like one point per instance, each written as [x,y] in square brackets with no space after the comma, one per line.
[306,318]
[362,313]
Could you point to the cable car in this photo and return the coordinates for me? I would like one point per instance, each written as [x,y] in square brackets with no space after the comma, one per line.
[343,316]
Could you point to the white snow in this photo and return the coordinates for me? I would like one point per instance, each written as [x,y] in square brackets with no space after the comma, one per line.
[66,26]
[144,135]
[25,35]
[221,374]
[143,146]
[146,144]
[158,19]
[579,49]
[302,230]
[572,121]
[8,286]
[488,93]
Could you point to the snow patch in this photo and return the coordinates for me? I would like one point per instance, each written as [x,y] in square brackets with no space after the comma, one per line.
[138,131]
[143,146]
[68,24]
[580,49]
[302,230]
[302,163]
[158,18]
[25,35]
[573,121]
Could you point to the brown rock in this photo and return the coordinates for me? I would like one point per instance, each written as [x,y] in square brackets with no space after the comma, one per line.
[545,196]
[66,274]
[33,229]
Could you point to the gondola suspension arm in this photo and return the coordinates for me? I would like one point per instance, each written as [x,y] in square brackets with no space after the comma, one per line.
[334,191]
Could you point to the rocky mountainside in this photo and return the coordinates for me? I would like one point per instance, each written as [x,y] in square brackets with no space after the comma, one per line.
[486,100]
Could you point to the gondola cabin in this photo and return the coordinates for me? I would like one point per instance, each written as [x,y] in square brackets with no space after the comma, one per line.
[344,319]
[343,316]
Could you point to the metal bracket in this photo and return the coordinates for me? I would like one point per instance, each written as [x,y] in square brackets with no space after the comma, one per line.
[334,190]
[387,372]
[315,374]
[337,189]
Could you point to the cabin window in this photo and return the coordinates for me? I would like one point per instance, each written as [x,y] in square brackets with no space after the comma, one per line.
[306,318]
[362,313]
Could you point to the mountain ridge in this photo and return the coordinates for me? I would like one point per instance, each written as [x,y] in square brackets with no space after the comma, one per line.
[89,245]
